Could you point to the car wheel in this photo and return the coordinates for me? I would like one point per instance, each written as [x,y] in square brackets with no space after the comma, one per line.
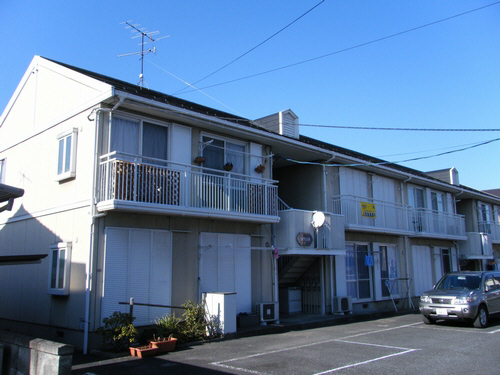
[481,320]
[428,320]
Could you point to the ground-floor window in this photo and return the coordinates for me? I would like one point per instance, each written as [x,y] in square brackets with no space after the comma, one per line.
[445,255]
[358,273]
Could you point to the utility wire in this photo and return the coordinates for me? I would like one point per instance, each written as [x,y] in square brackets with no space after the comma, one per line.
[401,129]
[396,162]
[350,48]
[250,50]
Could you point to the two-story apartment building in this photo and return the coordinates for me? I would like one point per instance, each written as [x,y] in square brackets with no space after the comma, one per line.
[138,194]
[134,194]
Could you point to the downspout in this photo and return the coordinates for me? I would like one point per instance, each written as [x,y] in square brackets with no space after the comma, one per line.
[94,215]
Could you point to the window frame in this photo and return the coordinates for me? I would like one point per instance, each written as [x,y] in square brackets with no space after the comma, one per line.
[55,255]
[62,160]
[356,281]
[140,121]
[2,170]
[226,151]
[445,252]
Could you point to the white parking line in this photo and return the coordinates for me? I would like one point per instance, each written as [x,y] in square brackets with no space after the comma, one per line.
[342,340]
[365,362]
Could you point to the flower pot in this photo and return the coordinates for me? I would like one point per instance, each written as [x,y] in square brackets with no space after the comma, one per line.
[228,166]
[260,168]
[199,160]
[145,351]
[164,346]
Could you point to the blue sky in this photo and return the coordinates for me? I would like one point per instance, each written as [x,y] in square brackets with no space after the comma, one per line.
[444,75]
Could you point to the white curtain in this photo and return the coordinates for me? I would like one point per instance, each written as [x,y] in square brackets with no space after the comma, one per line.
[124,136]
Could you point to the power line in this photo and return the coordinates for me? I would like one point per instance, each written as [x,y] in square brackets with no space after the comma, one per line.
[396,162]
[350,48]
[251,49]
[401,129]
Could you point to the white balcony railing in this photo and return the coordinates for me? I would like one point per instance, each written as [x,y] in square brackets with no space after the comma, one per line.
[382,216]
[491,228]
[173,185]
[477,245]
[375,215]
[431,222]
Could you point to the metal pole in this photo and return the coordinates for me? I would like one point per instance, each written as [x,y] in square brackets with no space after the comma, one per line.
[132,307]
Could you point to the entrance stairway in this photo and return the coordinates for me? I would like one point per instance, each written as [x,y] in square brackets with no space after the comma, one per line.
[294,268]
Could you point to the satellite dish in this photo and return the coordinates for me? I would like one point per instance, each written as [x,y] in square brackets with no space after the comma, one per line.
[318,219]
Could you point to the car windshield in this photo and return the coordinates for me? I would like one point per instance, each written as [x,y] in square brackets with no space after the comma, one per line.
[470,282]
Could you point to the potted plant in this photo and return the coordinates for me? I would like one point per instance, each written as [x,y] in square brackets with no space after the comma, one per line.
[199,160]
[260,168]
[144,351]
[228,166]
[164,344]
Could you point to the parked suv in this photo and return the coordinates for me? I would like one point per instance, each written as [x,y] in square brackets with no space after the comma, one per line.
[467,295]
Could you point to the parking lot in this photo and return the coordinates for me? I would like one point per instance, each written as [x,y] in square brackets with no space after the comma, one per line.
[395,345]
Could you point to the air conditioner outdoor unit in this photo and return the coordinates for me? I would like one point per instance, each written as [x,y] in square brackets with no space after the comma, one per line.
[342,304]
[268,311]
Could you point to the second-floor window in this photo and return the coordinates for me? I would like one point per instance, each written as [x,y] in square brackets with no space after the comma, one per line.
[219,152]
[143,138]
[66,159]
[416,197]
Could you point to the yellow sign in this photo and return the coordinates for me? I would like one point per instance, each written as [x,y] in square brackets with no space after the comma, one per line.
[368,210]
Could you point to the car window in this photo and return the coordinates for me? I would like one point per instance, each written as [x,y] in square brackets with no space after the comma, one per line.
[496,280]
[470,282]
[489,283]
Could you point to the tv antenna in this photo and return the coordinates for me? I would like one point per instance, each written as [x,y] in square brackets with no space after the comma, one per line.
[146,37]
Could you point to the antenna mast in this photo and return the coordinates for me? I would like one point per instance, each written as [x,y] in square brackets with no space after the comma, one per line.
[144,34]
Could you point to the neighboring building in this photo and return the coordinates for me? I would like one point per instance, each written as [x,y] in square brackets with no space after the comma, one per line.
[401,225]
[138,194]
[481,210]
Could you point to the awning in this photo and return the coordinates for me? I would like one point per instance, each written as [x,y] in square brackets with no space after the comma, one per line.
[8,194]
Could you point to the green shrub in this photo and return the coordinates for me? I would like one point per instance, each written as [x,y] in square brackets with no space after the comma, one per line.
[118,331]
[192,326]
[167,325]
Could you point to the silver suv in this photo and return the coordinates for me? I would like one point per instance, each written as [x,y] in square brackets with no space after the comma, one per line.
[467,295]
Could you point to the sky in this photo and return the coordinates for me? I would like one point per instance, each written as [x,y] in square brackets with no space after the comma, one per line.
[338,65]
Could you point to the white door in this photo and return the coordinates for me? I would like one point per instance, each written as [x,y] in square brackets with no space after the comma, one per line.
[422,269]
[225,266]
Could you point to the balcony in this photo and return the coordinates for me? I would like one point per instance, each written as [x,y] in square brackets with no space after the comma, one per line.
[429,223]
[130,183]
[491,228]
[477,246]
[371,215]
[295,234]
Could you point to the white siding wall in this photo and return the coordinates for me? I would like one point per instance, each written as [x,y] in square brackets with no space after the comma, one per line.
[353,182]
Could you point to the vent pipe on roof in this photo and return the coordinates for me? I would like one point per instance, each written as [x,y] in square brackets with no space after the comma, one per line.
[283,123]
